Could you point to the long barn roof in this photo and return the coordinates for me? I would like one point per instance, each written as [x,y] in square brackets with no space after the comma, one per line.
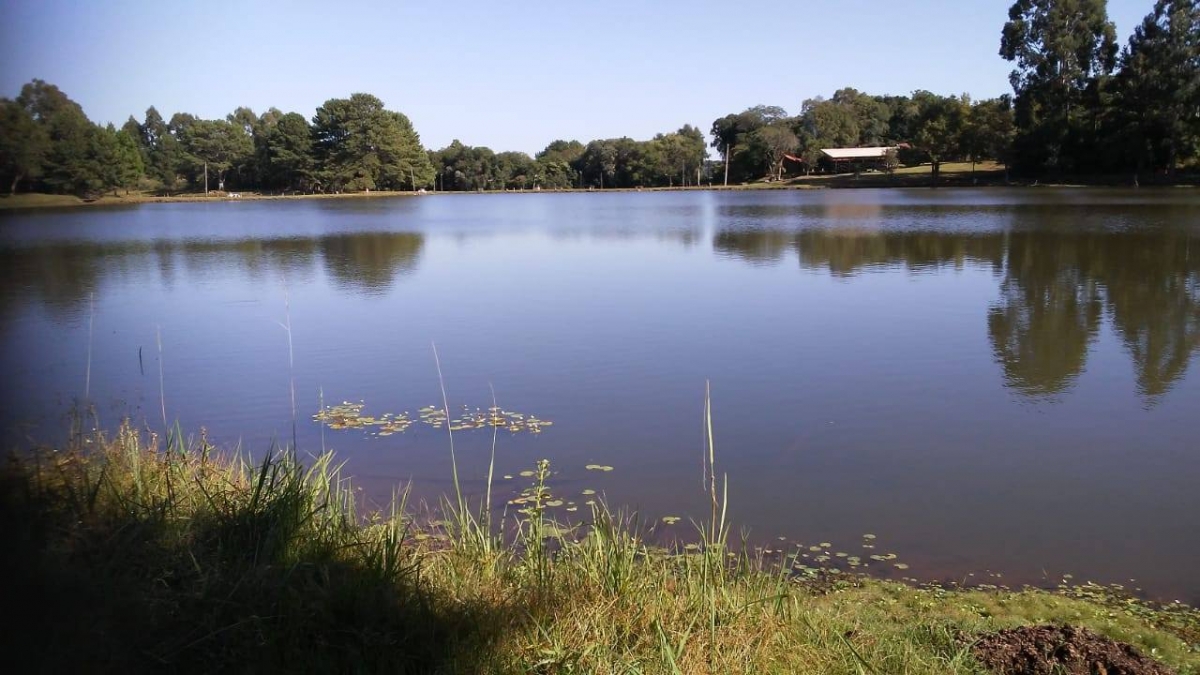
[855,153]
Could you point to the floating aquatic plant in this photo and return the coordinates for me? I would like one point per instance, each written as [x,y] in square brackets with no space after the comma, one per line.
[348,415]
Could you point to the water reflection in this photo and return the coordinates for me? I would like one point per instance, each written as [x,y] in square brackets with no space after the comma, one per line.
[370,262]
[62,276]
[1055,288]
[1048,313]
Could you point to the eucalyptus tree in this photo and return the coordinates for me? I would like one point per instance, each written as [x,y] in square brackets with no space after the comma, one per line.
[725,133]
[1061,49]
[733,138]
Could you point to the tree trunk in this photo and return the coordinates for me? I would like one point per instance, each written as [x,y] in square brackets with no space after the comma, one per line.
[12,190]
[727,166]
[937,169]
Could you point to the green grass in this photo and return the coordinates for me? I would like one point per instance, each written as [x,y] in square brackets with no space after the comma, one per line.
[124,556]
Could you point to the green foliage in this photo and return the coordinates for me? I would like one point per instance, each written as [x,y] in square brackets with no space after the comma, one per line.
[1158,88]
[162,148]
[23,145]
[665,160]
[989,130]
[129,163]
[463,167]
[1070,113]
[285,152]
[70,164]
[362,146]
[219,144]
[775,140]
[1061,49]
[938,127]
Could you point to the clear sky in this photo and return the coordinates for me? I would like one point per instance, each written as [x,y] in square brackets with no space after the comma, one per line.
[509,75]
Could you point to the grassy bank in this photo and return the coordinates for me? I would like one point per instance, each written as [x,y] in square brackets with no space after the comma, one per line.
[124,556]
[953,174]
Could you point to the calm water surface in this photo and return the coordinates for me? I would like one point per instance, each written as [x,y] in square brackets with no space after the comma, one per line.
[991,381]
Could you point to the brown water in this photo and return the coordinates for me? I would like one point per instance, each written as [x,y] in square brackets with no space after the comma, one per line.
[990,381]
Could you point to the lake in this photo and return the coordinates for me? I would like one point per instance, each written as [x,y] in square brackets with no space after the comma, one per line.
[992,382]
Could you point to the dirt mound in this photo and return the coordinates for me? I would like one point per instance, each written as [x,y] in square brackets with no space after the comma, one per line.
[1066,650]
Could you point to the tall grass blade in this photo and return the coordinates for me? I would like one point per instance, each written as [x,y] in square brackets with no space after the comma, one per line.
[321,407]
[487,502]
[87,383]
[446,411]
[287,327]
[162,394]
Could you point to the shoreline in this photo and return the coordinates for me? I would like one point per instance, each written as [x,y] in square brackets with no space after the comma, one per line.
[983,180]
[183,557]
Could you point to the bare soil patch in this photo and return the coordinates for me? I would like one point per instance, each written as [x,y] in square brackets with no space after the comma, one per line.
[1062,650]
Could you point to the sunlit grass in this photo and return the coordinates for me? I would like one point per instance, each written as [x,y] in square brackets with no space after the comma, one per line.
[125,556]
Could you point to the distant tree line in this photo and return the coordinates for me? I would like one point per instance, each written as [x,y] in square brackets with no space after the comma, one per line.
[351,144]
[1080,106]
[673,159]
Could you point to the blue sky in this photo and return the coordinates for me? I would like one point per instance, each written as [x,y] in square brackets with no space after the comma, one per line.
[509,75]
